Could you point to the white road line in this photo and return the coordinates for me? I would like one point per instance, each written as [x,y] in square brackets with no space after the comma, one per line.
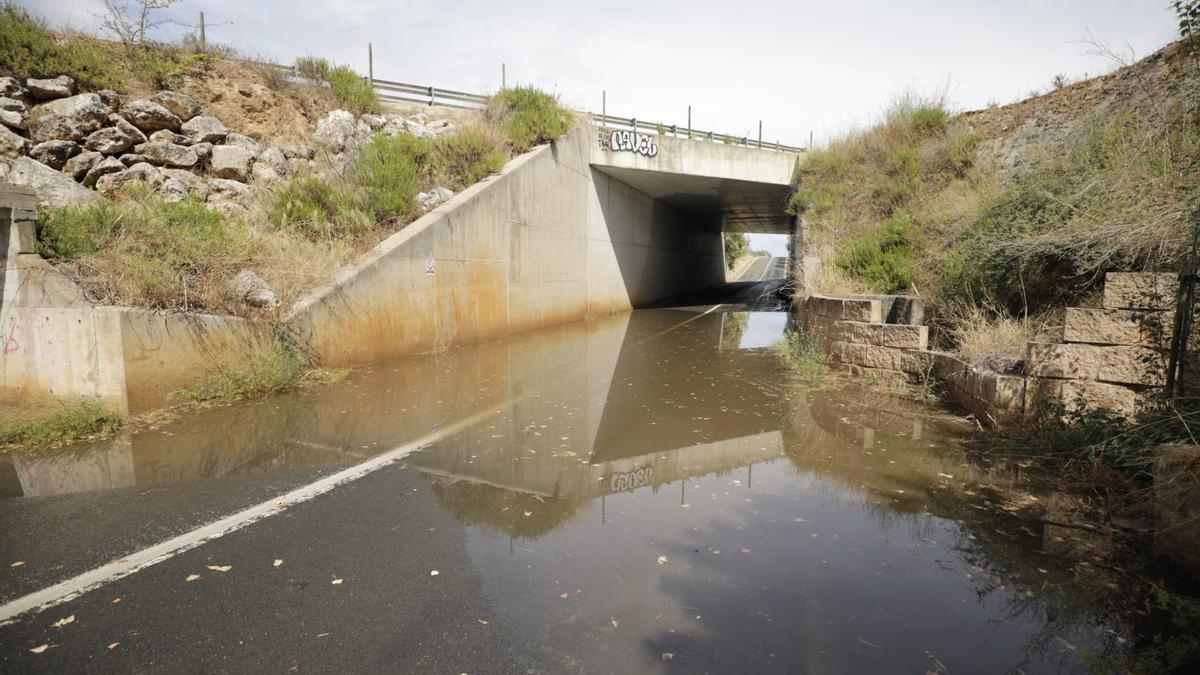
[766,269]
[123,567]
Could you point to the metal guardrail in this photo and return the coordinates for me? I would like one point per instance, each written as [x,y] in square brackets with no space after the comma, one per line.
[404,92]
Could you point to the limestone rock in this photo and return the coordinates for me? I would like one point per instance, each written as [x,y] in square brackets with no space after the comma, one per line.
[1132,290]
[437,195]
[192,184]
[14,119]
[54,154]
[204,129]
[78,166]
[173,190]
[51,88]
[11,87]
[229,210]
[150,116]
[12,146]
[168,154]
[298,151]
[108,141]
[52,188]
[225,190]
[165,136]
[12,104]
[67,119]
[181,105]
[131,158]
[110,99]
[338,131]
[297,165]
[253,291]
[230,161]
[262,172]
[102,168]
[374,122]
[113,183]
[1118,326]
[127,128]
[203,151]
[1120,364]
[244,142]
[275,159]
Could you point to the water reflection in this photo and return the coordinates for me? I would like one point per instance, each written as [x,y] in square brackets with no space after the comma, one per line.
[652,491]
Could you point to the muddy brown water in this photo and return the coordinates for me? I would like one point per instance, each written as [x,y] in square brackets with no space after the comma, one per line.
[652,490]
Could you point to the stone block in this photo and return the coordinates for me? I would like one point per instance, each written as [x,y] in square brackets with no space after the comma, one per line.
[1120,364]
[1150,328]
[846,309]
[1123,399]
[880,334]
[870,356]
[1131,290]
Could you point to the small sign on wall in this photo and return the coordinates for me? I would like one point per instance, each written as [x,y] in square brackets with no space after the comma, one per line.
[429,267]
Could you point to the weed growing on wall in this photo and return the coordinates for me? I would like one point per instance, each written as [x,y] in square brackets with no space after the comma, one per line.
[528,116]
[801,352]
[60,421]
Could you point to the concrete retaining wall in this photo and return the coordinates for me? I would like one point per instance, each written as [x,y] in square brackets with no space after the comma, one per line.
[546,241]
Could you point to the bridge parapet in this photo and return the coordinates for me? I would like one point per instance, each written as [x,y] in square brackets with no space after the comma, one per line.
[626,149]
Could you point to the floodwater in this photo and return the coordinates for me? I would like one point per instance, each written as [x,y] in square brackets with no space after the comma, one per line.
[652,491]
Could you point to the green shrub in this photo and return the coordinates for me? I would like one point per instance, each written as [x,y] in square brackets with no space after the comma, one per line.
[736,246]
[801,352]
[528,116]
[147,252]
[387,170]
[929,120]
[956,156]
[313,68]
[319,209]
[277,369]
[27,49]
[464,159]
[75,231]
[68,421]
[886,260]
[900,180]
[353,90]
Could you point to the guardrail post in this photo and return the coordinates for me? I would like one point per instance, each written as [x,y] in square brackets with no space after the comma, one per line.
[503,76]
[370,65]
[674,131]
[633,123]
[603,107]
[760,133]
[710,137]
[203,40]
[432,96]
[689,121]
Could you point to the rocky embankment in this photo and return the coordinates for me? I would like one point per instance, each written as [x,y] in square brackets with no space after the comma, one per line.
[72,148]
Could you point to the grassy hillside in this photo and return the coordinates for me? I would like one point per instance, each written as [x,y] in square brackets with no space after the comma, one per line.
[1018,209]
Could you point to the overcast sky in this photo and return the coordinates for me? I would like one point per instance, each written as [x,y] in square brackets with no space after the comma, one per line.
[824,66]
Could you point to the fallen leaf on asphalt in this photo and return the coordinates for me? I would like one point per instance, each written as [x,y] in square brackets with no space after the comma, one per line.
[192,577]
[220,568]
[116,600]
[434,573]
[62,622]
[113,646]
[662,560]
[337,582]
[667,656]
[277,563]
[17,563]
[528,513]
[564,596]
[39,649]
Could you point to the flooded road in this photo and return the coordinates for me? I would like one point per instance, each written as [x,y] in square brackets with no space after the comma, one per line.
[646,492]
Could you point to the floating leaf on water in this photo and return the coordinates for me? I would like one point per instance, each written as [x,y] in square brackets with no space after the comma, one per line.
[116,600]
[277,562]
[113,646]
[434,573]
[662,560]
[220,568]
[17,563]
[336,581]
[62,622]
[564,596]
[192,577]
[39,649]
[667,656]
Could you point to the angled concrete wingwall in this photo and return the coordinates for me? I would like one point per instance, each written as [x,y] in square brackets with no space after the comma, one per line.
[546,241]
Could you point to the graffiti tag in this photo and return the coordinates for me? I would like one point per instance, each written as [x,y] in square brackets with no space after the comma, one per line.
[631,141]
[629,480]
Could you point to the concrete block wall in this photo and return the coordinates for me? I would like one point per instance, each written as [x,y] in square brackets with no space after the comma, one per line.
[1113,356]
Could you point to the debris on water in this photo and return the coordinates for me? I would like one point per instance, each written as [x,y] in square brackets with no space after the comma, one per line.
[337,582]
[192,577]
[434,573]
[220,568]
[277,563]
[17,563]
[662,560]
[40,648]
[667,656]
[116,600]
[113,645]
[62,622]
